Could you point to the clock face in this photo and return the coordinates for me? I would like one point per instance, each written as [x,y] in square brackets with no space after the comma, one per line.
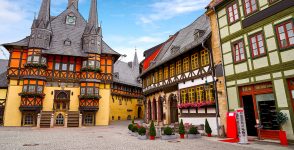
[71,20]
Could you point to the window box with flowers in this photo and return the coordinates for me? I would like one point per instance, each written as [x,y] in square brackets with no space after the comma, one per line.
[91,69]
[33,65]
[196,104]
[31,95]
[90,96]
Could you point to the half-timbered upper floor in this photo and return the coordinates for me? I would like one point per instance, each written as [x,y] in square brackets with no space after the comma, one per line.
[183,57]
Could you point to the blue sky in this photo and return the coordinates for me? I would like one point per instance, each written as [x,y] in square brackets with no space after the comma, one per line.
[126,23]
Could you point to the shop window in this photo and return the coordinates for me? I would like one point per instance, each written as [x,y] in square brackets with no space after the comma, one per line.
[186,64]
[233,13]
[183,96]
[239,52]
[28,119]
[285,34]
[204,58]
[257,45]
[191,95]
[250,6]
[179,67]
[172,70]
[194,61]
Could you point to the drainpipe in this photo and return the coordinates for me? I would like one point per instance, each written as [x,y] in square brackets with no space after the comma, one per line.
[214,86]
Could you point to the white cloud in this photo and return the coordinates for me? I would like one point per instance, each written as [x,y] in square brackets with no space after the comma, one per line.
[167,9]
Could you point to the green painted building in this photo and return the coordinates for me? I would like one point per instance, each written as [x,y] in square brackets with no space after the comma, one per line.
[257,43]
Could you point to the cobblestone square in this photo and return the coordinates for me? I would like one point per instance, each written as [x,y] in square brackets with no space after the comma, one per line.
[113,137]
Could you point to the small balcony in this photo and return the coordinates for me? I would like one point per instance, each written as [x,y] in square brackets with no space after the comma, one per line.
[31,101]
[89,102]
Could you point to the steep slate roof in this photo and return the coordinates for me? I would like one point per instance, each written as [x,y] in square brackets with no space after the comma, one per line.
[62,32]
[126,74]
[184,40]
[3,72]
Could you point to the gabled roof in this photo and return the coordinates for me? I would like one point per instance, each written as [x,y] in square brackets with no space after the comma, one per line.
[184,40]
[3,73]
[126,74]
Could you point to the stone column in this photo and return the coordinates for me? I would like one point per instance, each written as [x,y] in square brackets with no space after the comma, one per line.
[65,120]
[52,121]
[38,120]
[80,120]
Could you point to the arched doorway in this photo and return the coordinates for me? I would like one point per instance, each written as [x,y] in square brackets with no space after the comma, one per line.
[154,107]
[173,109]
[160,111]
[59,120]
[149,110]
[139,112]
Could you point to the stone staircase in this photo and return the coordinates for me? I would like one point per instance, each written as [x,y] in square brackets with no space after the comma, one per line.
[73,118]
[45,119]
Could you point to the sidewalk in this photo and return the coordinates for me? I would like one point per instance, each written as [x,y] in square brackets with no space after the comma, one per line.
[264,144]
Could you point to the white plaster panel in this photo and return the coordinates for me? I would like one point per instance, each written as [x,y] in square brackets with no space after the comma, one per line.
[271,44]
[222,12]
[231,83]
[201,110]
[228,58]
[193,111]
[263,77]
[260,62]
[280,93]
[232,97]
[262,2]
[235,27]
[184,110]
[268,30]
[211,110]
[229,69]
[274,58]
[196,82]
[243,81]
[223,21]
[249,64]
[289,72]
[224,32]
[283,19]
[226,47]
[277,75]
[254,31]
[242,67]
[287,55]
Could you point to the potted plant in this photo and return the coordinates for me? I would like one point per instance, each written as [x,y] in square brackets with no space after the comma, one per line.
[168,134]
[130,127]
[207,128]
[142,133]
[281,120]
[152,131]
[182,130]
[193,133]
[135,131]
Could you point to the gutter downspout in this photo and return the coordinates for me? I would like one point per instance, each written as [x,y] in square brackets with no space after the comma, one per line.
[214,86]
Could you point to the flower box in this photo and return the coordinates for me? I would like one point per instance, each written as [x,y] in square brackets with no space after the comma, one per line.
[95,97]
[90,69]
[168,137]
[194,136]
[196,105]
[35,65]
[31,95]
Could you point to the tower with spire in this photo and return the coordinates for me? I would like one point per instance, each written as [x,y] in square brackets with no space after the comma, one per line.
[41,30]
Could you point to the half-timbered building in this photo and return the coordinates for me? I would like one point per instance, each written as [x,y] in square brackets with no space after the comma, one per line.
[62,73]
[179,81]
[257,42]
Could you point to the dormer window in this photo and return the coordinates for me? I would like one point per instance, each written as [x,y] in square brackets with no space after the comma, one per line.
[71,19]
[175,49]
[198,34]
[67,42]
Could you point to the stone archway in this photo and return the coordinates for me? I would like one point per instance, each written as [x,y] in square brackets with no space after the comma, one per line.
[173,106]
[149,116]
[154,108]
[160,109]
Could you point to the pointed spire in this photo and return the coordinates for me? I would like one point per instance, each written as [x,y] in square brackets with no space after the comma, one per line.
[73,2]
[93,16]
[44,13]
[135,61]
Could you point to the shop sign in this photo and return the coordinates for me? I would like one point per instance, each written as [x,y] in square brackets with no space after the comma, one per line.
[241,125]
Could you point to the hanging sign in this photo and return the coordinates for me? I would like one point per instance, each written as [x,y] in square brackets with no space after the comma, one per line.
[241,125]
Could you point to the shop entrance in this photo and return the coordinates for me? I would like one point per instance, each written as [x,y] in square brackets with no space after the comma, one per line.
[249,115]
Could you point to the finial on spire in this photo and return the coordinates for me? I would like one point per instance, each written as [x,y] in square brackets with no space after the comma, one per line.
[73,2]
